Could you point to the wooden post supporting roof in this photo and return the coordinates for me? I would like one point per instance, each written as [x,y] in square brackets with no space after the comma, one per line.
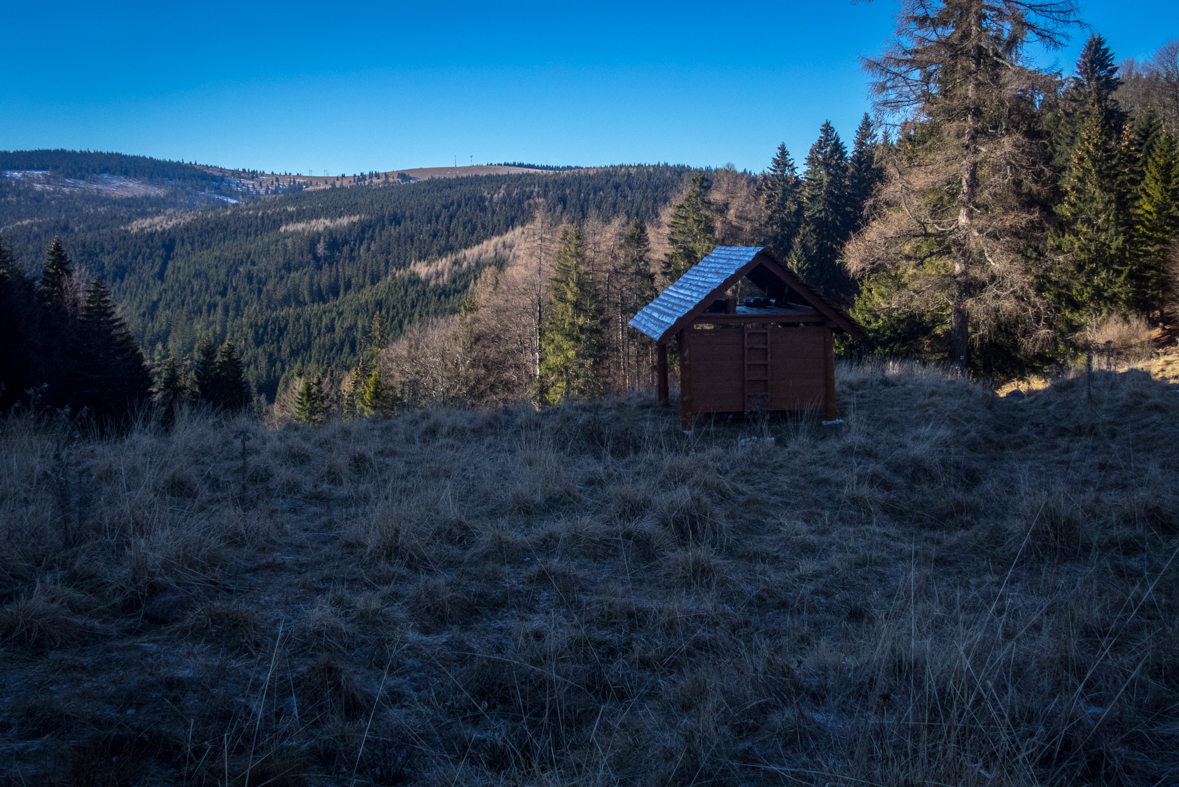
[661,380]
[685,381]
[829,412]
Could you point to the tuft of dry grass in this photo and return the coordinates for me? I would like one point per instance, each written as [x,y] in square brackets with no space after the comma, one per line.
[38,622]
[950,588]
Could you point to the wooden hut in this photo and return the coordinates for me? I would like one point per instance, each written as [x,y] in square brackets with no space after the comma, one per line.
[753,337]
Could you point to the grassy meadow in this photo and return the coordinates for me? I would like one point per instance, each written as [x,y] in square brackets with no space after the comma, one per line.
[951,588]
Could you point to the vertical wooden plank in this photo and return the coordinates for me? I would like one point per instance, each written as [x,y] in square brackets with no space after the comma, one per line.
[661,383]
[685,382]
[829,413]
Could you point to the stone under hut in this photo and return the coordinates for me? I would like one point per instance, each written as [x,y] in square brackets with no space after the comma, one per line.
[752,337]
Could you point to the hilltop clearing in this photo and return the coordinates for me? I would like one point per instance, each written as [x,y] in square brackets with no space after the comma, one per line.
[271,183]
[950,588]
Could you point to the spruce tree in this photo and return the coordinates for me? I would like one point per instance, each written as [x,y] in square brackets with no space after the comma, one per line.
[1096,220]
[173,390]
[571,341]
[1156,224]
[112,376]
[1096,76]
[827,217]
[311,403]
[863,173]
[691,230]
[781,193]
[232,388]
[18,329]
[635,288]
[377,336]
[56,277]
[206,375]
[357,384]
[1090,89]
[638,288]
[375,400]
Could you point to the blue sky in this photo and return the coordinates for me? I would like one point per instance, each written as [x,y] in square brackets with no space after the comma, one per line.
[352,87]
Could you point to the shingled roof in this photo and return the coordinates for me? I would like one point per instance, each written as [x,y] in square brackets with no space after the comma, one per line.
[689,295]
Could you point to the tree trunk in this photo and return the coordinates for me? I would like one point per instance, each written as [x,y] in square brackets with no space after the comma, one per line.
[959,316]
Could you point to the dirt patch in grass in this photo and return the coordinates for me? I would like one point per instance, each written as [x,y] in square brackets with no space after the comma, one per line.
[950,588]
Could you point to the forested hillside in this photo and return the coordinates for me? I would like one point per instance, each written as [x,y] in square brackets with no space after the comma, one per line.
[296,280]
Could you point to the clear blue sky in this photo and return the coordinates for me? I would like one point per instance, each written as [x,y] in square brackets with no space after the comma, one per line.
[353,86]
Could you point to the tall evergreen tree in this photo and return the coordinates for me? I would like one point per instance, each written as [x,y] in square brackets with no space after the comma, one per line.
[377,336]
[863,173]
[112,377]
[206,374]
[1090,90]
[18,325]
[310,402]
[827,217]
[375,399]
[56,277]
[233,390]
[635,288]
[691,230]
[571,336]
[781,193]
[638,287]
[1096,77]
[1094,208]
[1156,223]
[173,390]
[1135,151]
[358,380]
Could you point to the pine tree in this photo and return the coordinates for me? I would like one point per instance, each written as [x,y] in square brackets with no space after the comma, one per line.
[863,173]
[113,379]
[56,277]
[1156,224]
[206,375]
[781,193]
[691,230]
[639,282]
[232,388]
[357,384]
[571,336]
[1096,76]
[311,403]
[377,336]
[1137,146]
[1089,90]
[18,331]
[375,400]
[827,217]
[635,289]
[1094,208]
[173,390]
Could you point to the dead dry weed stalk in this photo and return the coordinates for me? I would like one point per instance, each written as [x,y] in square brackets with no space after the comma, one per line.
[949,588]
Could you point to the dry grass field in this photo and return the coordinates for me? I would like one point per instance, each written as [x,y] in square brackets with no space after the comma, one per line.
[949,589]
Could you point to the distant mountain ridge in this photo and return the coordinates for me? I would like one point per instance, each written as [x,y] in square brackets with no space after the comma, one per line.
[294,277]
